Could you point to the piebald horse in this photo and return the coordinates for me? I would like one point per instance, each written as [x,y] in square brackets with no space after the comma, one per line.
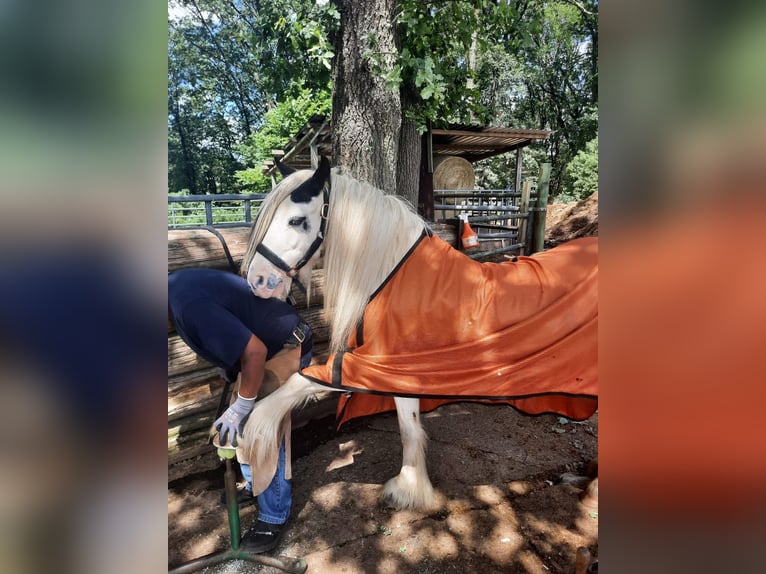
[381,348]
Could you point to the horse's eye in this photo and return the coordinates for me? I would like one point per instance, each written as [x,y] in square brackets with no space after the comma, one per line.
[297,222]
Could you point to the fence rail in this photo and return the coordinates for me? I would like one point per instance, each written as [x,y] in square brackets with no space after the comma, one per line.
[224,210]
[502,218]
[505,220]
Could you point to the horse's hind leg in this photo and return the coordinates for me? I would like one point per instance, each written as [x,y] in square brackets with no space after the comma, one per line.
[411,488]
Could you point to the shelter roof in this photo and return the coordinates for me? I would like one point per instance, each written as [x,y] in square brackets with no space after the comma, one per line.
[476,142]
[469,142]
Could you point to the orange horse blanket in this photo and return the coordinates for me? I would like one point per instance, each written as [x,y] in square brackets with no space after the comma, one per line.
[445,328]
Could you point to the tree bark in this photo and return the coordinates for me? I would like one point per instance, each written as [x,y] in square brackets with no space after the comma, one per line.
[408,162]
[366,116]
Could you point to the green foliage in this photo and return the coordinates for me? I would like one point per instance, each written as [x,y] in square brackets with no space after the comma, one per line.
[581,175]
[499,172]
[279,124]
[436,68]
[548,82]
[229,61]
[433,68]
[309,29]
[284,120]
[244,76]
[253,179]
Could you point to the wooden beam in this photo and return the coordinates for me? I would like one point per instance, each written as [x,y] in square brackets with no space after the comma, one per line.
[531,134]
[298,146]
[480,147]
[201,248]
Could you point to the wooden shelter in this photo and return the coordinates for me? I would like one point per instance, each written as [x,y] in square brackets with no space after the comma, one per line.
[470,143]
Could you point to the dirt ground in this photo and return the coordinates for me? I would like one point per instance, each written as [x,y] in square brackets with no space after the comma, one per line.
[565,221]
[506,500]
[502,504]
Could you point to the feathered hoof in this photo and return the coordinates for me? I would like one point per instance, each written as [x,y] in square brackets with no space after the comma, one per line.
[401,493]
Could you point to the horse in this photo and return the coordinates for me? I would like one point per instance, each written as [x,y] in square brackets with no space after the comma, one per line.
[388,344]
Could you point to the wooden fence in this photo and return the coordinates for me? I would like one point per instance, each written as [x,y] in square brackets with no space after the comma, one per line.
[506,221]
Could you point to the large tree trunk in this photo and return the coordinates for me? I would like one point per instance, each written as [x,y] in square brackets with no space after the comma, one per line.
[408,161]
[371,139]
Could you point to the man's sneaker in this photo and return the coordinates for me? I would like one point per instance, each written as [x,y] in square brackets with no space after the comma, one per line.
[262,537]
[244,497]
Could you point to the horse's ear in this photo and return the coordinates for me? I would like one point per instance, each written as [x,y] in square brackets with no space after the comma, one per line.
[283,169]
[314,185]
[322,173]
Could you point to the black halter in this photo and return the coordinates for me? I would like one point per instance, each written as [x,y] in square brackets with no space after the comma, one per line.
[278,262]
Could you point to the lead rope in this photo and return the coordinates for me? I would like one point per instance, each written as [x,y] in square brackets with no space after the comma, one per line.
[214,231]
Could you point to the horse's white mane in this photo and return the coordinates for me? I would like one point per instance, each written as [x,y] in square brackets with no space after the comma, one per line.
[368,232]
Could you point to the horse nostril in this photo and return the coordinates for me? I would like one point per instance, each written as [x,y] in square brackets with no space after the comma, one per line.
[273,282]
[259,281]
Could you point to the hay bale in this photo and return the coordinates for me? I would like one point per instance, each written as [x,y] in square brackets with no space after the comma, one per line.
[453,173]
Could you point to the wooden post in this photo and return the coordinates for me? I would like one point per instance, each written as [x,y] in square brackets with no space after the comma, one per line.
[542,205]
[522,224]
[517,189]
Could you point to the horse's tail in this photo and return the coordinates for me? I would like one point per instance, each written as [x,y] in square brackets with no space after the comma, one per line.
[262,429]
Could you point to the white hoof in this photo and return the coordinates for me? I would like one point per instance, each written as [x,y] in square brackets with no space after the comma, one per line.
[404,491]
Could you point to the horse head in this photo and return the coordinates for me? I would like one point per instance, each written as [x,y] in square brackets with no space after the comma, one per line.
[291,230]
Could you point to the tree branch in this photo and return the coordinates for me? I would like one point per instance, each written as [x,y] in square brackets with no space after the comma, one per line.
[580,7]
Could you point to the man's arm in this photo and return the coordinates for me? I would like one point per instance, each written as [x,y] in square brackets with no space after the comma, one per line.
[252,364]
[252,361]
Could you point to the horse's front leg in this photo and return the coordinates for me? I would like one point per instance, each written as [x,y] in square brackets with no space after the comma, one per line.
[411,488]
[265,421]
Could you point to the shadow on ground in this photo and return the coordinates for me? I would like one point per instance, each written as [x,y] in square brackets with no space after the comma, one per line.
[501,504]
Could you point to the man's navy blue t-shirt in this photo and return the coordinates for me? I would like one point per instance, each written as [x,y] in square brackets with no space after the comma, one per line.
[215,313]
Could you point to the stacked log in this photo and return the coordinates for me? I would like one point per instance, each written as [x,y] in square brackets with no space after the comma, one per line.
[194,385]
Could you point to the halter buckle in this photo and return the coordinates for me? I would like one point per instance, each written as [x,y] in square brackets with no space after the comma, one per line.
[297,336]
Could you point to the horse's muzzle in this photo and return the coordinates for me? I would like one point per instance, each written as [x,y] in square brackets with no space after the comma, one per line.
[268,286]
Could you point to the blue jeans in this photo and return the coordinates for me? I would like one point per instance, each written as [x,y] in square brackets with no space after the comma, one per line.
[275,502]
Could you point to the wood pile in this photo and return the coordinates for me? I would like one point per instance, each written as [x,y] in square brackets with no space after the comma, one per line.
[194,385]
